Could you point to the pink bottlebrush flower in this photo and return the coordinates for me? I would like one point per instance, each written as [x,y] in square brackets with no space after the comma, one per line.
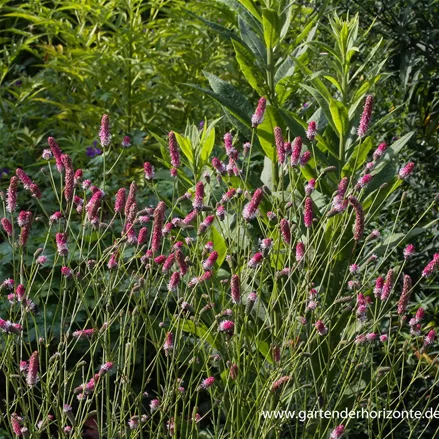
[133,422]
[83,333]
[338,432]
[24,234]
[159,260]
[280,383]
[11,195]
[388,285]
[306,157]
[16,422]
[199,196]
[300,251]
[405,295]
[24,366]
[173,150]
[430,338]
[174,281]
[406,170]
[285,230]
[279,141]
[322,329]
[342,187]
[154,405]
[132,213]
[131,199]
[168,345]
[77,177]
[359,218]
[41,260]
[66,272]
[419,316]
[271,216]
[233,372]
[206,383]
[311,131]
[35,191]
[408,251]
[143,219]
[354,268]
[7,226]
[68,430]
[24,218]
[105,368]
[284,272]
[310,187]
[432,266]
[173,172]
[21,293]
[112,262]
[210,261]
[228,144]
[415,329]
[354,284]
[61,244]
[159,217]
[182,264]
[246,148]
[235,289]
[258,116]
[149,171]
[363,181]
[126,142]
[383,338]
[24,178]
[11,298]
[220,212]
[93,205]
[10,328]
[169,262]
[266,244]
[130,233]
[308,213]
[256,260]
[86,184]
[55,217]
[379,283]
[275,353]
[56,151]
[46,154]
[365,117]
[143,235]
[228,196]
[373,235]
[250,210]
[104,132]
[219,166]
[287,148]
[379,152]
[209,246]
[32,371]
[8,283]
[204,226]
[251,300]
[371,259]
[69,177]
[119,204]
[226,326]
[312,305]
[296,151]
[371,337]
[190,218]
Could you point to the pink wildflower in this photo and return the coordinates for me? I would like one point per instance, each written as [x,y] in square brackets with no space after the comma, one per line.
[204,226]
[308,214]
[408,251]
[210,261]
[279,141]
[159,217]
[173,150]
[56,151]
[379,152]
[250,210]
[174,281]
[11,196]
[61,244]
[285,230]
[148,170]
[300,251]
[119,204]
[235,289]
[338,432]
[311,131]
[256,260]
[365,117]
[226,326]
[168,345]
[406,170]
[69,177]
[432,266]
[104,132]
[279,383]
[258,116]
[359,218]
[7,226]
[297,150]
[322,329]
[32,371]
[199,196]
[388,285]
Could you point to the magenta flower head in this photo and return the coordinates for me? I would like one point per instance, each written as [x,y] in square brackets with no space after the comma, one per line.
[131,199]
[279,142]
[173,150]
[409,251]
[388,285]
[7,226]
[363,181]
[235,289]
[219,166]
[258,116]
[322,329]
[126,142]
[56,151]
[16,422]
[300,251]
[69,177]
[379,152]
[405,295]
[256,260]
[104,132]
[206,383]
[119,204]
[308,214]
[280,383]
[406,170]
[430,338]
[199,196]
[77,178]
[174,281]
[210,261]
[25,231]
[365,117]
[338,432]
[93,205]
[159,218]
[204,226]
[226,326]
[250,210]
[24,178]
[149,170]
[32,371]
[168,345]
[432,266]
[306,157]
[61,244]
[297,150]
[11,195]
[359,218]
[311,131]
[285,231]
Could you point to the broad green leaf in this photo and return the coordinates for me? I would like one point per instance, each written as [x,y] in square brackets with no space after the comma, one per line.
[219,245]
[265,132]
[267,173]
[252,40]
[241,9]
[340,116]
[334,82]
[270,21]
[186,147]
[200,330]
[247,62]
[207,141]
[264,348]
[358,157]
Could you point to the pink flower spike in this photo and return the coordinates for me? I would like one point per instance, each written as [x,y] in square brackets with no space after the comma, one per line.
[256,260]
[306,157]
[338,432]
[432,266]
[250,210]
[210,261]
[258,116]
[297,150]
[56,151]
[104,132]
[379,152]
[226,326]
[409,251]
[11,195]
[406,170]
[7,226]
[365,117]
[199,196]
[308,214]
[322,329]
[69,177]
[173,150]
[168,345]
[311,131]
[159,217]
[359,218]
[32,371]
[279,141]
[235,289]
[206,383]
[300,251]
[285,231]
[149,170]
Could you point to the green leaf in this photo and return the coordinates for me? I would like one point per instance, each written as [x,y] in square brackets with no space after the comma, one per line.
[252,40]
[264,348]
[247,62]
[270,22]
[340,116]
[358,157]
[207,141]
[266,134]
[241,8]
[186,147]
[200,330]
[219,244]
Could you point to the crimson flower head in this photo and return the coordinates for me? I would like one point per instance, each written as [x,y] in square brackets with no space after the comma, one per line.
[104,132]
[173,150]
[365,117]
[258,115]
[250,210]
[149,170]
[312,130]
[406,170]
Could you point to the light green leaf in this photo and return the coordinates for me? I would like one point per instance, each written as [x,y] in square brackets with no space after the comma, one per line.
[186,147]
[270,22]
[358,157]
[265,132]
[219,245]
[340,116]
[200,330]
